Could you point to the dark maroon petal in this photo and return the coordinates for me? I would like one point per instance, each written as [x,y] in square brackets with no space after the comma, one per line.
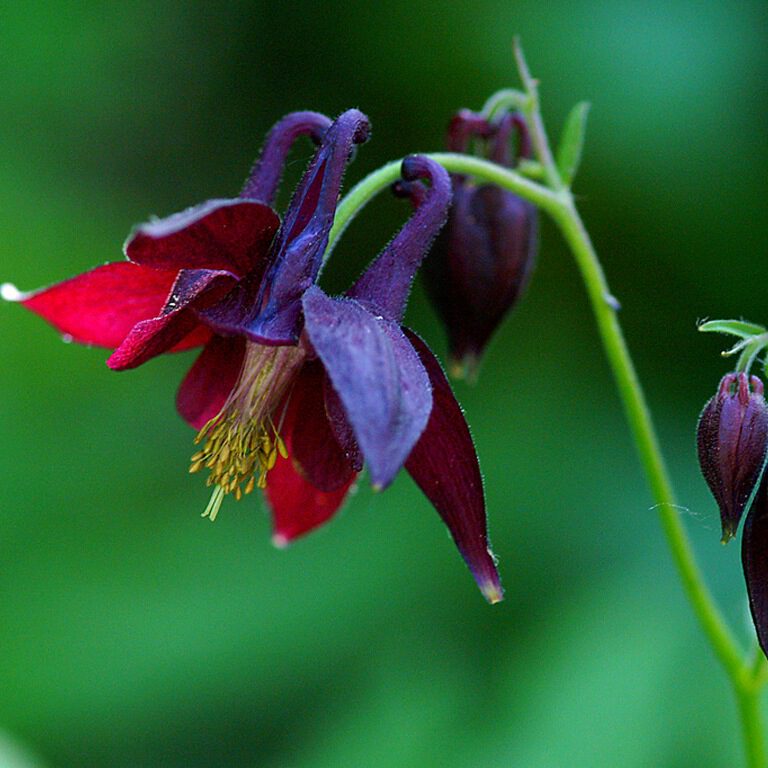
[342,429]
[500,145]
[386,283]
[176,320]
[268,311]
[101,306]
[754,559]
[732,439]
[210,380]
[314,446]
[464,126]
[297,505]
[378,376]
[480,264]
[231,235]
[444,465]
[266,173]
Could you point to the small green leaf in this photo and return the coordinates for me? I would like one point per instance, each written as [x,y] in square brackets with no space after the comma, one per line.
[739,328]
[572,142]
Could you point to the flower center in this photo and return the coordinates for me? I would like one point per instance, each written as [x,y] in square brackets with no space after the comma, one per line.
[241,443]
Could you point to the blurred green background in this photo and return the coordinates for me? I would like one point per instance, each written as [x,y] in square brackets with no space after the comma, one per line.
[133,633]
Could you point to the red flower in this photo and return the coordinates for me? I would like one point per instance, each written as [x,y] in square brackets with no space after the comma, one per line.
[287,371]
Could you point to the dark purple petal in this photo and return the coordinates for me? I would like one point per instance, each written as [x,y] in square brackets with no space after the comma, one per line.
[268,310]
[232,235]
[732,439]
[444,465]
[314,446]
[101,306]
[266,173]
[754,559]
[149,338]
[210,380]
[378,376]
[386,283]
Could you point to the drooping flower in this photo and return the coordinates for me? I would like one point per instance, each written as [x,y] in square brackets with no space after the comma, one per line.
[732,439]
[294,390]
[482,260]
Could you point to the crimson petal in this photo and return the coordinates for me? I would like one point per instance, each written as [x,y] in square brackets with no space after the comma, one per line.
[444,465]
[378,376]
[297,506]
[232,235]
[210,380]
[177,319]
[101,306]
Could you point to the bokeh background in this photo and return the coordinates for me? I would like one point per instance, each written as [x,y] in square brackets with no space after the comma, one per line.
[134,633]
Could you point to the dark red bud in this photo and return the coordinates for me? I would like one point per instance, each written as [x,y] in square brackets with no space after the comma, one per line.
[482,260]
[732,438]
[480,265]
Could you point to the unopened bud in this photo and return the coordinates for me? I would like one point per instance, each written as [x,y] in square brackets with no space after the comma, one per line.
[732,438]
[481,261]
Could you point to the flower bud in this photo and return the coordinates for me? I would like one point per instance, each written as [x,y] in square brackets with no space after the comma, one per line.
[732,438]
[481,261]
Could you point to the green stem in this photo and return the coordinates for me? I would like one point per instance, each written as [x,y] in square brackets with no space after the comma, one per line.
[759,668]
[501,100]
[748,700]
[366,189]
[644,434]
[749,352]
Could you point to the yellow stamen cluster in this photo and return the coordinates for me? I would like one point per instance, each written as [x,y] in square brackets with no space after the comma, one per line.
[241,444]
[238,454]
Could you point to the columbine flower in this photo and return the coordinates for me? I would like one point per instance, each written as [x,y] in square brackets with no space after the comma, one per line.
[294,389]
[481,262]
